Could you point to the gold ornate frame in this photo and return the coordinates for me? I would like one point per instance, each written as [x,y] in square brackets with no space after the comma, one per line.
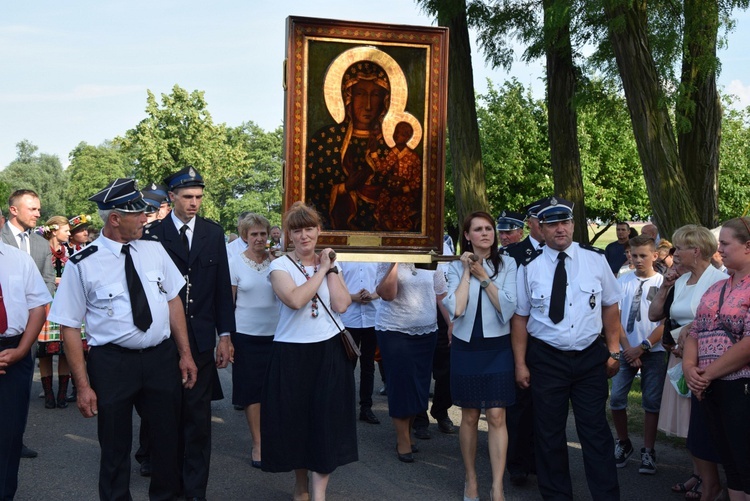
[415,59]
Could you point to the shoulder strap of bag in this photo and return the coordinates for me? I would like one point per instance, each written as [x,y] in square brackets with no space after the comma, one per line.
[323,303]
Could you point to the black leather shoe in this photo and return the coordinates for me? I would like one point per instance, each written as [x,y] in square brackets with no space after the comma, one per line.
[238,408]
[368,416]
[422,433]
[414,449]
[28,453]
[404,458]
[256,464]
[381,391]
[145,469]
[195,499]
[446,425]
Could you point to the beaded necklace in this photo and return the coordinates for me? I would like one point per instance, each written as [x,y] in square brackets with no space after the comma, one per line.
[307,276]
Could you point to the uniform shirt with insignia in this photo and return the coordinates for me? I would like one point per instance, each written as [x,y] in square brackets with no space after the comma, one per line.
[590,285]
[93,290]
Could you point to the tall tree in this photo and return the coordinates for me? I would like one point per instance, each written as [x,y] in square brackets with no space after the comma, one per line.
[666,182]
[470,188]
[561,105]
[91,168]
[181,132]
[699,108]
[40,172]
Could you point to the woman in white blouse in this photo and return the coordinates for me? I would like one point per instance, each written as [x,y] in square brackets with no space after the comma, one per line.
[406,326]
[256,314]
[308,409]
[481,300]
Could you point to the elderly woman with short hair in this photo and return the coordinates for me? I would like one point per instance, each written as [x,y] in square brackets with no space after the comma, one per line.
[256,315]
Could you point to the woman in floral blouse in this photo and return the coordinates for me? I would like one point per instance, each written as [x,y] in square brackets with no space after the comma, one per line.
[717,357]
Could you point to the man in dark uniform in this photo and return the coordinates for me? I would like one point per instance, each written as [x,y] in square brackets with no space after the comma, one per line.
[127,292]
[510,227]
[520,416]
[566,294]
[196,245]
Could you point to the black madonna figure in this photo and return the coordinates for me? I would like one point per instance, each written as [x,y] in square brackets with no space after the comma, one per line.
[342,159]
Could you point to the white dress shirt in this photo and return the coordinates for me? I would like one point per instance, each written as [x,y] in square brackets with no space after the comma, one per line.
[94,290]
[358,276]
[23,288]
[590,286]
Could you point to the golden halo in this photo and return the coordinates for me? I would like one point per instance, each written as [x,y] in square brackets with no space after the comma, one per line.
[335,74]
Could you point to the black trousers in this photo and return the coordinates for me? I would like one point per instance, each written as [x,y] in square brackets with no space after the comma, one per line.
[441,373]
[195,425]
[520,422]
[367,341]
[15,388]
[151,378]
[579,377]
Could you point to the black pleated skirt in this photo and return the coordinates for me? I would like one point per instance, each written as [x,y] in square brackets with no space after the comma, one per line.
[308,412]
[251,356]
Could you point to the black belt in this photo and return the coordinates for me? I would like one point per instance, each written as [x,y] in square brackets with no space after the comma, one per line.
[10,341]
[122,349]
[565,353]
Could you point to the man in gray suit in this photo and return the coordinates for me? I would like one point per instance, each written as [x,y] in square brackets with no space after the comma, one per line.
[24,210]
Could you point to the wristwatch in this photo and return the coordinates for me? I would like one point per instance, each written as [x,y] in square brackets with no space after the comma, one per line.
[615,355]
[645,345]
[335,270]
[484,284]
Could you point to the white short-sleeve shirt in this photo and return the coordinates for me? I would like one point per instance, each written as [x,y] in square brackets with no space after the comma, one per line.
[23,288]
[93,290]
[414,309]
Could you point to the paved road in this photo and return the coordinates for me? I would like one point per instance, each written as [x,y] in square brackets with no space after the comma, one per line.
[67,466]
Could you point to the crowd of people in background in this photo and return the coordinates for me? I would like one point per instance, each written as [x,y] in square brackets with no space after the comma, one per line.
[518,328]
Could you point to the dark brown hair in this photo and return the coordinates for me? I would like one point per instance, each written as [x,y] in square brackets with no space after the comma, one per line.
[299,216]
[495,259]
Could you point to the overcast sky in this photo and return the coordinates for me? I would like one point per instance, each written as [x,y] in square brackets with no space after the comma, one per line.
[78,70]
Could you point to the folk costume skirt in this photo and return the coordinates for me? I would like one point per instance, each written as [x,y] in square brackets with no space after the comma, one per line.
[308,412]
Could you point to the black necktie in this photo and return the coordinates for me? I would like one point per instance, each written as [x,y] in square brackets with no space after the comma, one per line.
[635,308]
[138,301]
[184,238]
[559,283]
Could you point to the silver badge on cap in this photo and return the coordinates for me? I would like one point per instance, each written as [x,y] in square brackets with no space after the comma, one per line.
[192,172]
[503,214]
[553,201]
[153,186]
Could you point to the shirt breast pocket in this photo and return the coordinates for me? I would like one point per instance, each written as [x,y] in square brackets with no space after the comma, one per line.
[111,298]
[591,295]
[539,301]
[155,280]
[209,260]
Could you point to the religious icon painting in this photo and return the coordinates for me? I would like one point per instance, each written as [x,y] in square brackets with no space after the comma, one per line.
[365,116]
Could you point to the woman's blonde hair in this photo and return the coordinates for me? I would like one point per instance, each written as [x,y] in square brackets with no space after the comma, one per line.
[695,236]
[53,224]
[250,221]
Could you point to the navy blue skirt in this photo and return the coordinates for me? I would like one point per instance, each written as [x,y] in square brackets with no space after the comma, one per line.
[482,370]
[251,356]
[408,371]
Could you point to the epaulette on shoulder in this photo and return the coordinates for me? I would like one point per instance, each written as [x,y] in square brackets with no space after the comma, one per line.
[534,254]
[84,253]
[591,248]
[213,222]
[148,230]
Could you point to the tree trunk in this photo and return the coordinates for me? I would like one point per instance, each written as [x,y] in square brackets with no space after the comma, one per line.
[699,109]
[463,130]
[667,187]
[563,118]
